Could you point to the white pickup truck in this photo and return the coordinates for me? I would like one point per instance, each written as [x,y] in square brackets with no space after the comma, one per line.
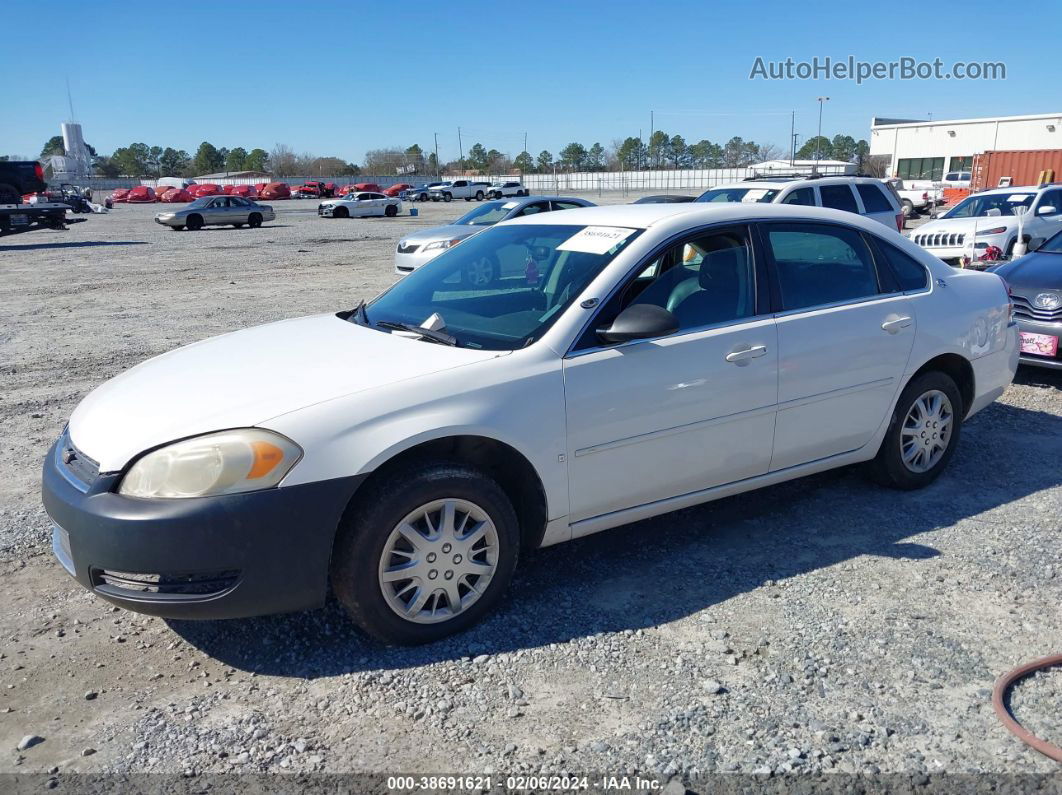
[914,200]
[459,189]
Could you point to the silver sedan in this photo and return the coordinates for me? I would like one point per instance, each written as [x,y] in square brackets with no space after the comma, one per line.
[420,247]
[217,211]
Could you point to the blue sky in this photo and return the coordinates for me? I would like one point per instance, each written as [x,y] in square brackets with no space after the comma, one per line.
[342,78]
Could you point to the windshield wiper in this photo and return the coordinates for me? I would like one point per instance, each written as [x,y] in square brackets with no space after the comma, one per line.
[420,331]
[355,315]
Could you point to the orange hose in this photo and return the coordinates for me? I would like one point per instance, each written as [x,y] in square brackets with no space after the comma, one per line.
[1003,684]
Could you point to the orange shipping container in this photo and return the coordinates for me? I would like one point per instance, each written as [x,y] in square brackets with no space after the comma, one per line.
[1023,166]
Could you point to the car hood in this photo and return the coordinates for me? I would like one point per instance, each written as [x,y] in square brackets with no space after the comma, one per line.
[966,225]
[448,232]
[1036,271]
[245,378]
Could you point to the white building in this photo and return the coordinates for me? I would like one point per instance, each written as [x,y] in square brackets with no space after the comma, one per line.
[927,149]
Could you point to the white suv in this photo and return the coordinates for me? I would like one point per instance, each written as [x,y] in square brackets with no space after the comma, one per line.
[990,218]
[865,196]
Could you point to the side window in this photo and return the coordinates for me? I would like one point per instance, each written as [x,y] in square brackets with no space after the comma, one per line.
[839,197]
[910,275]
[531,209]
[816,264]
[704,281]
[802,196]
[874,199]
[565,205]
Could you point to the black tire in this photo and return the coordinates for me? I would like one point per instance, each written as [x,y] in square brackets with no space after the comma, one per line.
[254,220]
[364,531]
[448,197]
[907,208]
[341,212]
[391,211]
[888,467]
[9,195]
[479,195]
[194,223]
[1010,248]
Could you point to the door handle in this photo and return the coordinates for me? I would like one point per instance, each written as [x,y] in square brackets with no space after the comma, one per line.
[755,352]
[894,326]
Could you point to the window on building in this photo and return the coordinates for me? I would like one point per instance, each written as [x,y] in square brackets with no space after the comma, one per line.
[964,163]
[920,168]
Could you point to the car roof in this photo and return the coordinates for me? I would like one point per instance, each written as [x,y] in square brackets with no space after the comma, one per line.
[783,182]
[1016,189]
[643,216]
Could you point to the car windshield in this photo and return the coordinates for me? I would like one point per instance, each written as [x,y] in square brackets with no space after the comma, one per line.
[742,194]
[200,203]
[502,288]
[978,206]
[486,214]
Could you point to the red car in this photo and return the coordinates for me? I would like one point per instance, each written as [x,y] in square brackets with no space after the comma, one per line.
[367,186]
[176,196]
[259,187]
[120,195]
[329,190]
[246,191]
[394,190]
[141,194]
[204,189]
[275,191]
[308,190]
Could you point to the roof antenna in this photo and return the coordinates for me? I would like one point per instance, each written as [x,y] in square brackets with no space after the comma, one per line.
[69,98]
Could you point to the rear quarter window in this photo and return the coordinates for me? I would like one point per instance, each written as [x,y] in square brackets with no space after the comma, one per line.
[874,199]
[909,274]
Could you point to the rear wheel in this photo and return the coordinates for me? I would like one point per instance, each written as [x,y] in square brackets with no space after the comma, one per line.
[479,195]
[426,552]
[922,434]
[341,212]
[907,208]
[195,222]
[8,194]
[391,211]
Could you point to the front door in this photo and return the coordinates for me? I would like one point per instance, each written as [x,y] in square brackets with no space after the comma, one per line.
[652,419]
[844,338]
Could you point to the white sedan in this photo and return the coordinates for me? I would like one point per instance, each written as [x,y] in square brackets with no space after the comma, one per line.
[356,205]
[643,358]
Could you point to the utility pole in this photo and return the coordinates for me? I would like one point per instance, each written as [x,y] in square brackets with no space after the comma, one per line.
[438,168]
[652,128]
[818,140]
[792,137]
[460,149]
[525,141]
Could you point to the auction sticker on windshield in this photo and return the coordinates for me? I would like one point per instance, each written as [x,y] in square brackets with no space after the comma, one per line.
[595,239]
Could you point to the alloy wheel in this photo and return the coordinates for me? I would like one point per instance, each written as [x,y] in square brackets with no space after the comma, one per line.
[926,431]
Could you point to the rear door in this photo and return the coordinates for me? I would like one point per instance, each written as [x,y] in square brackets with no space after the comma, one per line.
[844,338]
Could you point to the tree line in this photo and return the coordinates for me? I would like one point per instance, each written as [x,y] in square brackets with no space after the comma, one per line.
[662,150]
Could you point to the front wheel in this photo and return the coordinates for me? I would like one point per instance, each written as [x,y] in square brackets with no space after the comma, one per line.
[426,552]
[341,212]
[254,220]
[194,223]
[448,197]
[922,434]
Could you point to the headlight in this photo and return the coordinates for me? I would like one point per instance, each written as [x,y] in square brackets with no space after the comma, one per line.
[165,215]
[998,230]
[229,462]
[442,244]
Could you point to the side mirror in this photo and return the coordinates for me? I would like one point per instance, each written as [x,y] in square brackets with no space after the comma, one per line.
[934,214]
[995,212]
[1035,243]
[1046,210]
[639,322]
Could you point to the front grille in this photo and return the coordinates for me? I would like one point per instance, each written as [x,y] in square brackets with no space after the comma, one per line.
[940,239]
[1024,308]
[75,465]
[407,248]
[204,583]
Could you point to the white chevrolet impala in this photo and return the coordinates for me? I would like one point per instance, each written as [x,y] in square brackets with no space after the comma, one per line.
[624,362]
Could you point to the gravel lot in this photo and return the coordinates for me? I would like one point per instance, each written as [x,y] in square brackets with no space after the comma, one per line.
[818,627]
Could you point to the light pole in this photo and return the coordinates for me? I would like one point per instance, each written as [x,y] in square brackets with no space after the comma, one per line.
[818,138]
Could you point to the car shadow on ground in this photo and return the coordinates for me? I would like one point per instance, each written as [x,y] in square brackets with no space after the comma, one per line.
[77,244]
[1039,376]
[669,567]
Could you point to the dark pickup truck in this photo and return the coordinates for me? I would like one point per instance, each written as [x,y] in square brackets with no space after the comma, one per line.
[18,178]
